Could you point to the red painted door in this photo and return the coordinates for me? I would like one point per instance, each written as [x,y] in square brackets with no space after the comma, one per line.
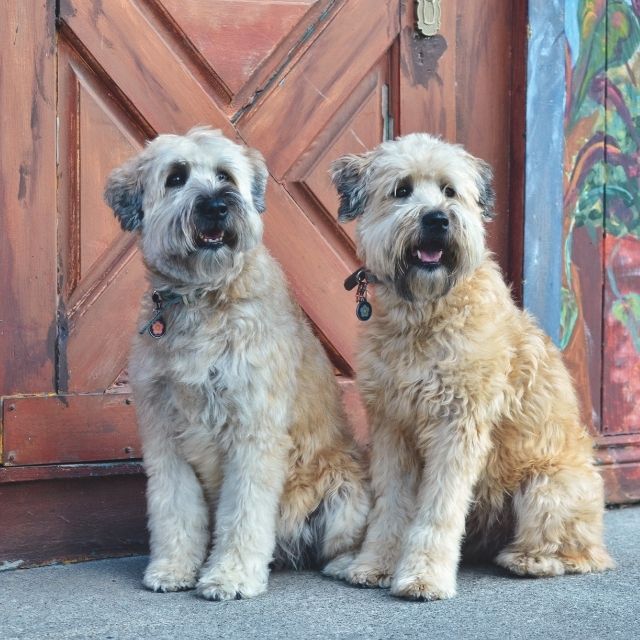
[304,81]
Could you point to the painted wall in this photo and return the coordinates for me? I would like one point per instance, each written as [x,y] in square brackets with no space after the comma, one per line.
[546,89]
[582,230]
[602,203]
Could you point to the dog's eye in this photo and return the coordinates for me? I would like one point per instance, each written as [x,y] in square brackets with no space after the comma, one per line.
[403,190]
[449,191]
[223,176]
[178,176]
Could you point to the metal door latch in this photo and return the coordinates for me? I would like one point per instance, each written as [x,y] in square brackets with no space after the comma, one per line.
[429,14]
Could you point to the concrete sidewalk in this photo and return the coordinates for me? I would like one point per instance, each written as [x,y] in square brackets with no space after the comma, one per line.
[105,600]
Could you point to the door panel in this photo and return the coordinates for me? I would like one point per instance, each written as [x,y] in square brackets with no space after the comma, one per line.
[220,31]
[96,428]
[100,271]
[154,82]
[361,123]
[27,199]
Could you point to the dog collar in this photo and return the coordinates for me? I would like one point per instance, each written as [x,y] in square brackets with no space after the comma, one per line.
[157,326]
[361,278]
[360,275]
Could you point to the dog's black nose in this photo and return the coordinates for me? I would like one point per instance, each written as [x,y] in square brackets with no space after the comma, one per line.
[435,221]
[216,208]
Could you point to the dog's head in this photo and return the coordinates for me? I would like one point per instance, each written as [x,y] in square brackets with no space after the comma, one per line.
[196,201]
[421,205]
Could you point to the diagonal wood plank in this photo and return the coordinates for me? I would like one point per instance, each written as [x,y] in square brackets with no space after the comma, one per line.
[301,104]
[152,77]
[235,37]
[314,269]
[100,332]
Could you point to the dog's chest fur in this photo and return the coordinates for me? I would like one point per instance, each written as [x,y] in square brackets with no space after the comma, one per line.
[217,357]
[431,367]
[206,362]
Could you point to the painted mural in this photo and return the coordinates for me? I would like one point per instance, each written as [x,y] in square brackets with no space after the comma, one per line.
[600,318]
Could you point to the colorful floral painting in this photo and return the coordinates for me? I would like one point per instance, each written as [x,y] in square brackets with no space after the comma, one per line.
[602,204]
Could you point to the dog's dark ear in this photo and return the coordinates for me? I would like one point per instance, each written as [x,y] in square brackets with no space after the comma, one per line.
[124,194]
[347,175]
[487,196]
[259,181]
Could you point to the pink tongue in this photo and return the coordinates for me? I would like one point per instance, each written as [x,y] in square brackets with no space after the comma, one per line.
[429,256]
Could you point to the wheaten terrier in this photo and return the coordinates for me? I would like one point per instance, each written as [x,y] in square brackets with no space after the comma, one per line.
[475,425]
[240,417]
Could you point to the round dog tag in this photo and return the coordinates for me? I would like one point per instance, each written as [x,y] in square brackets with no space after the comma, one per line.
[363,310]
[157,328]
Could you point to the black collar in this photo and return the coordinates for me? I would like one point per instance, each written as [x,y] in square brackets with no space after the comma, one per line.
[360,276]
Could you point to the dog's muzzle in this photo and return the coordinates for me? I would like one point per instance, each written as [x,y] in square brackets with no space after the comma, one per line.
[430,250]
[212,220]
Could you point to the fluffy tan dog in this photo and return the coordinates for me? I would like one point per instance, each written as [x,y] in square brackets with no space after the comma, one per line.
[244,439]
[475,423]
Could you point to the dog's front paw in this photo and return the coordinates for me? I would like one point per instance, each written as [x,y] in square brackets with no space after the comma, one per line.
[337,568]
[220,586]
[530,564]
[370,577]
[359,573]
[417,587]
[164,576]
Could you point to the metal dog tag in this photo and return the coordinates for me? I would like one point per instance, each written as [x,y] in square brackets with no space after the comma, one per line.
[363,310]
[157,328]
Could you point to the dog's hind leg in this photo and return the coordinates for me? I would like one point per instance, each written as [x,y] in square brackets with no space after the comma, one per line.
[323,509]
[558,525]
[343,517]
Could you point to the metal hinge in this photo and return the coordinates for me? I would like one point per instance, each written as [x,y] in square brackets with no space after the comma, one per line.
[387,118]
[429,14]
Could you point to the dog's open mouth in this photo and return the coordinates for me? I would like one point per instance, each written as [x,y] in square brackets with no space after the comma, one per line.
[211,238]
[428,256]
[214,238]
[425,256]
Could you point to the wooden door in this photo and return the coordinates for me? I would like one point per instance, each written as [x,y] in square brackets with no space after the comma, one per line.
[304,81]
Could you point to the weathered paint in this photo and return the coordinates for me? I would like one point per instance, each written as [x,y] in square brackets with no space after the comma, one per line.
[545,144]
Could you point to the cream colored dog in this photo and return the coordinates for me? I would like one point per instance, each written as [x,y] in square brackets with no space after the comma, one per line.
[474,419]
[244,439]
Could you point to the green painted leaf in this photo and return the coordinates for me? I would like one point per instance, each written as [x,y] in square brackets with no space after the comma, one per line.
[568,317]
[624,32]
